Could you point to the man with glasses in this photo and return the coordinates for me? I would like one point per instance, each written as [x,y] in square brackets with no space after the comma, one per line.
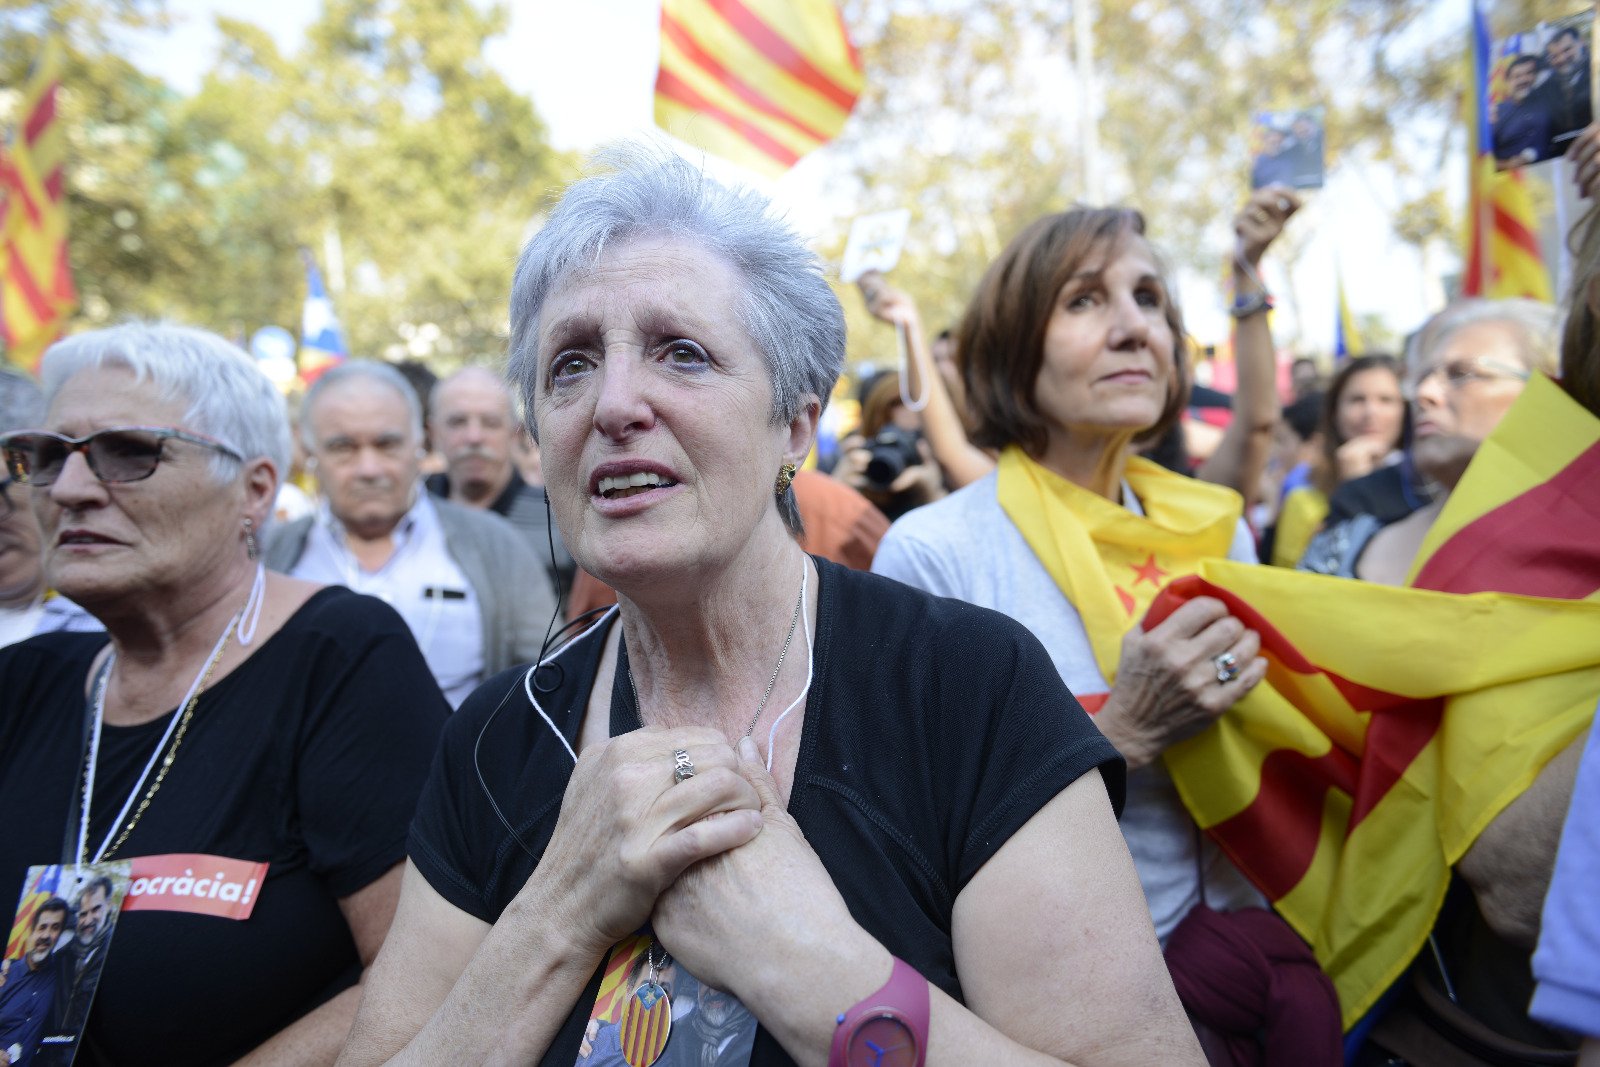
[26,606]
[1467,366]
[474,595]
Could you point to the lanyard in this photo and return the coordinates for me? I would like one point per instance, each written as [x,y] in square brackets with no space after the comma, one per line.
[91,763]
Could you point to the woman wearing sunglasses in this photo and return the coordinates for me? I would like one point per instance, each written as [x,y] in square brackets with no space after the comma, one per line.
[1468,365]
[228,717]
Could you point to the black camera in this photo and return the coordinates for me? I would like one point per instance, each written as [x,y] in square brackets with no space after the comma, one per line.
[892,451]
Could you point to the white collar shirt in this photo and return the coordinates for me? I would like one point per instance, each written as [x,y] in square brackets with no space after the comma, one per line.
[420,580]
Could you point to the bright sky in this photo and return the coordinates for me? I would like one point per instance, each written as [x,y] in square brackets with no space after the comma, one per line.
[589,68]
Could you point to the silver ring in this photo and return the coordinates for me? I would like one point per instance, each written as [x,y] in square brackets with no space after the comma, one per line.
[684,766]
[1227,665]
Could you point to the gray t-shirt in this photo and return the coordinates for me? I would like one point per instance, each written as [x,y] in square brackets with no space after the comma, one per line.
[965,546]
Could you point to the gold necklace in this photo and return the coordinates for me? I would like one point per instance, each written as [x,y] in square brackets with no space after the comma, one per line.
[172,753]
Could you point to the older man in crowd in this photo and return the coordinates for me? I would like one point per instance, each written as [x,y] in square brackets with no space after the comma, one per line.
[472,420]
[28,986]
[468,586]
[27,607]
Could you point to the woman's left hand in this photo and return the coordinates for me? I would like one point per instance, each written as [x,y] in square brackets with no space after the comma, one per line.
[1261,220]
[734,920]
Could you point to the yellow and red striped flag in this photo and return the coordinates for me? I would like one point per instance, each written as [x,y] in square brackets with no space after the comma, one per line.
[1503,256]
[1395,724]
[36,292]
[759,82]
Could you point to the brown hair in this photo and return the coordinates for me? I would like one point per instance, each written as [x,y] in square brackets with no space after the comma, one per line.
[1000,341]
[1326,476]
[1580,341]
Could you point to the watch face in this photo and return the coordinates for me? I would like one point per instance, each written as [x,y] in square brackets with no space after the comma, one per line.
[882,1041]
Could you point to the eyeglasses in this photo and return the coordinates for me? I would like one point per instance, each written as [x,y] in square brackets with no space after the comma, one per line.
[1461,372]
[116,454]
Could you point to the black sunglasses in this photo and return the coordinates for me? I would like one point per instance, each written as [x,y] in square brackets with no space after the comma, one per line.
[116,454]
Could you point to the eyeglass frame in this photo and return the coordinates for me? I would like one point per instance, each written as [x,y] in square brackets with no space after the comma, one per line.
[1461,372]
[8,507]
[77,445]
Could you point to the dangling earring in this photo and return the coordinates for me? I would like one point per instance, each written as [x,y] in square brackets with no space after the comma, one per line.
[785,478]
[251,547]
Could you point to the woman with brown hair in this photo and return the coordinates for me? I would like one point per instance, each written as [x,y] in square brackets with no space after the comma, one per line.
[1074,353]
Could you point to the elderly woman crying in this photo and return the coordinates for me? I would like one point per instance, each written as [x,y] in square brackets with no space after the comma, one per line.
[874,818]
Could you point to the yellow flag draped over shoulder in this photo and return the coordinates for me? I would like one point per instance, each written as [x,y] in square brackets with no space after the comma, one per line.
[759,82]
[1395,724]
[1109,561]
[36,292]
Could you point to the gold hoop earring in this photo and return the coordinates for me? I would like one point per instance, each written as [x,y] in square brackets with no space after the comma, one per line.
[785,478]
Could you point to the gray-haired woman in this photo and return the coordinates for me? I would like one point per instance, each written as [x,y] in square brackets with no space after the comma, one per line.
[234,717]
[765,774]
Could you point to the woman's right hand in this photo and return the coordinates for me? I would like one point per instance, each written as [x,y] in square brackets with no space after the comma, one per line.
[626,830]
[1167,688]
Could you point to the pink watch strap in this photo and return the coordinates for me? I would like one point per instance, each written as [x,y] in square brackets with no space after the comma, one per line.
[904,995]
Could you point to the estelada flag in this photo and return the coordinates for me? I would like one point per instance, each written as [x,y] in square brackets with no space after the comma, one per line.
[759,82]
[1395,724]
[36,290]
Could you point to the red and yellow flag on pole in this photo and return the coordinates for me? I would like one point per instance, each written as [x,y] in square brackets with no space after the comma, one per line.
[1395,724]
[36,292]
[759,82]
[1503,257]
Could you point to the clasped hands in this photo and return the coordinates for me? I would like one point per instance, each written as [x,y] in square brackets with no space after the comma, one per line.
[715,863]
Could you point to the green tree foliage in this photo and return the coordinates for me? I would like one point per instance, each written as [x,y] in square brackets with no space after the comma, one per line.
[970,117]
[385,134]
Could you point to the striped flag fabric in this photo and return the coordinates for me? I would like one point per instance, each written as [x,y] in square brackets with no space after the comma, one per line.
[36,290]
[1503,256]
[1346,338]
[1396,723]
[321,338]
[40,885]
[758,82]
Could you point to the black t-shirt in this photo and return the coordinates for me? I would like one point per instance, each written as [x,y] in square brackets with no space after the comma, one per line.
[308,757]
[933,731]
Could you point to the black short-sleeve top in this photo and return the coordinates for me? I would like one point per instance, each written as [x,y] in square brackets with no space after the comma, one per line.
[933,731]
[308,756]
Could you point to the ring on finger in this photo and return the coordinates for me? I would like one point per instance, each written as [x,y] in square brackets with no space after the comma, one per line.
[683,766]
[1227,665]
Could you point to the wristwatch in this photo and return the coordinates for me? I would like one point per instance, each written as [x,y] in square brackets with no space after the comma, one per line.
[1250,304]
[888,1028]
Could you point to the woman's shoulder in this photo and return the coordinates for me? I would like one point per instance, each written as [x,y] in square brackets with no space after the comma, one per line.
[959,517]
[48,655]
[337,613]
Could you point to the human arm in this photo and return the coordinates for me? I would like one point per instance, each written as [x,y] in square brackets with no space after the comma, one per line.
[1056,907]
[942,424]
[1510,863]
[1241,455]
[451,987]
[1167,686]
[317,1036]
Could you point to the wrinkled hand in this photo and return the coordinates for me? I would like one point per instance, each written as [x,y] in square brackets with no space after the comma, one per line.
[627,830]
[1262,218]
[1584,155]
[1167,688]
[730,919]
[885,302]
[1361,455]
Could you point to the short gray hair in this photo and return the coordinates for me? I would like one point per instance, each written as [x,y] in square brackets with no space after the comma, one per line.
[1536,326]
[352,370]
[227,395]
[642,190]
[21,401]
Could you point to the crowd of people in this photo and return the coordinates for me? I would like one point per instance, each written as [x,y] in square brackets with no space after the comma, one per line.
[664,748]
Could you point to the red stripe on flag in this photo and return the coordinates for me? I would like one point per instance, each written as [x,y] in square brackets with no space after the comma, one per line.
[674,88]
[1492,554]
[1273,843]
[42,116]
[52,185]
[679,36]
[774,47]
[17,274]
[1514,231]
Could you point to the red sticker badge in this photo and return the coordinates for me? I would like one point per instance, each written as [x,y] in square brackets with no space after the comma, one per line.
[195,883]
